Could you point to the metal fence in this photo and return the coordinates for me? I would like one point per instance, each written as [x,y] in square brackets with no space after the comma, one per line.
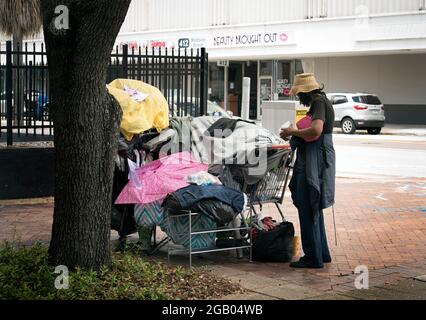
[24,83]
[181,75]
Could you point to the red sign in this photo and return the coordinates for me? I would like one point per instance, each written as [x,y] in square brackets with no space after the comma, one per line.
[283,37]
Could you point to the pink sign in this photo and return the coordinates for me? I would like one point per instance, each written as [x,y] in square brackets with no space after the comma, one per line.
[283,37]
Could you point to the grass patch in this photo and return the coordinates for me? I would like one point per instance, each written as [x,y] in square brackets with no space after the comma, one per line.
[26,275]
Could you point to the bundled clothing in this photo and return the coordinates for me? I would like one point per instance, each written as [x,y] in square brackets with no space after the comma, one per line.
[154,214]
[216,205]
[219,203]
[240,147]
[319,171]
[189,196]
[224,127]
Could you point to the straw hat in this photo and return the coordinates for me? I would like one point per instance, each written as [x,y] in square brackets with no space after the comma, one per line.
[305,82]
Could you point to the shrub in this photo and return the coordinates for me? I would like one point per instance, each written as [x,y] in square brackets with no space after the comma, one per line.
[25,274]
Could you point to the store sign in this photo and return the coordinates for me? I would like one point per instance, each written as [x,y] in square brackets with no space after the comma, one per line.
[198,42]
[223,63]
[184,43]
[148,44]
[252,39]
[193,43]
[260,36]
[169,43]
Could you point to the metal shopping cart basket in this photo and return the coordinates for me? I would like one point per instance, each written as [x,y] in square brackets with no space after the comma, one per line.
[267,181]
[262,184]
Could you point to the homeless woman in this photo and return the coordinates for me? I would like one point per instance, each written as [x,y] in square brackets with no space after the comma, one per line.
[313,182]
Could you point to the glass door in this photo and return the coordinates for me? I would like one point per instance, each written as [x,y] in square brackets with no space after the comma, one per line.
[216,84]
[235,87]
[250,71]
[265,90]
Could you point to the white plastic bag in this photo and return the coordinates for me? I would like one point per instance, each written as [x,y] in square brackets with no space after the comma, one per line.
[203,179]
[133,166]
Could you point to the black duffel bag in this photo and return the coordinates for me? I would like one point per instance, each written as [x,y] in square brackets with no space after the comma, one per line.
[275,245]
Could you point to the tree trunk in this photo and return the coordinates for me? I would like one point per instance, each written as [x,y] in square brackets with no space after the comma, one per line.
[86,119]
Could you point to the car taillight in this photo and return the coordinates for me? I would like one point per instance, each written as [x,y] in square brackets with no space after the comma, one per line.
[358,107]
[383,108]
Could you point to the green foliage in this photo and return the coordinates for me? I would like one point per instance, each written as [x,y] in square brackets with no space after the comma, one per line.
[25,274]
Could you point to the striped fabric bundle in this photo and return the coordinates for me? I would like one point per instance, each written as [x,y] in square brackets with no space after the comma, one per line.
[149,215]
[153,214]
[178,231]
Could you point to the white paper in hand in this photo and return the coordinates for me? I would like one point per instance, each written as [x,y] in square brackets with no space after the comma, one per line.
[286,125]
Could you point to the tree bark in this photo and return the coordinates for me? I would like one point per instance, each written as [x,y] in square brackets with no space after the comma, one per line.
[86,119]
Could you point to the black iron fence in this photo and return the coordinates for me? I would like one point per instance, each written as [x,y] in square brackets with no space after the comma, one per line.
[24,83]
[181,75]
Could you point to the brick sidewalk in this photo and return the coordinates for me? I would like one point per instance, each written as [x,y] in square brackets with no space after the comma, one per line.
[380,225]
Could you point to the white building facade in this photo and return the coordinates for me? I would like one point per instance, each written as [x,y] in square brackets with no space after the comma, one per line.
[375,46]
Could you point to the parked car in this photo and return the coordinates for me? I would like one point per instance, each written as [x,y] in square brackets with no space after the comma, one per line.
[3,104]
[37,105]
[358,111]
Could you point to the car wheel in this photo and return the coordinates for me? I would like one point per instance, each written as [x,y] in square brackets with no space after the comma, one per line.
[374,131]
[348,126]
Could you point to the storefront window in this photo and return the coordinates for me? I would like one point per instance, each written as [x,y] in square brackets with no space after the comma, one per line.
[265,89]
[299,67]
[216,84]
[283,80]
[266,68]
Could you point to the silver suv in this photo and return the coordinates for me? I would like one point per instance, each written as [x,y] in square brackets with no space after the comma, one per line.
[358,111]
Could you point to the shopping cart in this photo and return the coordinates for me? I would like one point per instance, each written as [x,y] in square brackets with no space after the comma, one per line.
[267,183]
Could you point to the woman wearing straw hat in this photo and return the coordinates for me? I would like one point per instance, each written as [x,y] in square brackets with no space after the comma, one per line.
[313,182]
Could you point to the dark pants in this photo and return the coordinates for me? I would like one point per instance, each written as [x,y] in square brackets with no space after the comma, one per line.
[314,238]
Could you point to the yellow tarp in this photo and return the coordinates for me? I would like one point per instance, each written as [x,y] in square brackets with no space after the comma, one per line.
[138,117]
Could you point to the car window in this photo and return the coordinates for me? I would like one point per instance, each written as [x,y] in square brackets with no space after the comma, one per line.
[339,100]
[367,99]
[370,99]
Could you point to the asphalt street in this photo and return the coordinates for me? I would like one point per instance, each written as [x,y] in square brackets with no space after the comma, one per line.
[393,156]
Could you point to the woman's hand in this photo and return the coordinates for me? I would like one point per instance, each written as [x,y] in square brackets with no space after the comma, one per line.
[285,133]
[313,131]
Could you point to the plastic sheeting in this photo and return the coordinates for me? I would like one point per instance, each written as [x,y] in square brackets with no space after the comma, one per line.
[139,116]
